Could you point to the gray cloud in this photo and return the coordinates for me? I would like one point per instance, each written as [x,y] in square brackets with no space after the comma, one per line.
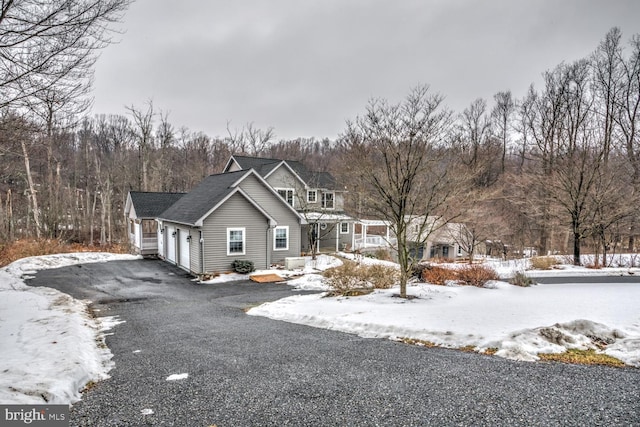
[304,67]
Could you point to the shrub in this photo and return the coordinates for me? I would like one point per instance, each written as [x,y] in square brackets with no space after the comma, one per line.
[438,275]
[382,254]
[521,279]
[345,278]
[242,266]
[381,276]
[543,262]
[476,275]
[355,279]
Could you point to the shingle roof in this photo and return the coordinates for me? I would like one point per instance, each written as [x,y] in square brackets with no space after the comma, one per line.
[264,166]
[261,165]
[150,205]
[195,204]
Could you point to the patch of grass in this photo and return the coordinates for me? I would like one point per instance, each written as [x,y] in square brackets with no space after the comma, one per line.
[582,357]
[490,351]
[468,349]
[88,386]
[415,341]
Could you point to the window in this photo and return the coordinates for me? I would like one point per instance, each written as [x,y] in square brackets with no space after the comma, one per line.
[286,194]
[281,239]
[312,196]
[235,241]
[327,200]
[344,228]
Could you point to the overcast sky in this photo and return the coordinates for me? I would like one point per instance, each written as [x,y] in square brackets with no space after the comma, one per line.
[304,67]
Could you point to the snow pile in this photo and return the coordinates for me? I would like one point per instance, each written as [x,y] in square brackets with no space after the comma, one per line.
[518,322]
[51,347]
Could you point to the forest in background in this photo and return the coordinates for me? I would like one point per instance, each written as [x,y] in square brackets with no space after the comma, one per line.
[556,170]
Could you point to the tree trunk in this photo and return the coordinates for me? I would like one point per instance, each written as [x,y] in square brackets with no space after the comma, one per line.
[576,247]
[32,191]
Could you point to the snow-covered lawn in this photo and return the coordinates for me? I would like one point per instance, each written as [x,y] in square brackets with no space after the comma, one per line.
[50,347]
[518,322]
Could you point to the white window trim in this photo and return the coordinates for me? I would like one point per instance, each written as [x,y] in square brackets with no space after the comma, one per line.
[323,201]
[244,240]
[282,227]
[293,194]
[344,232]
[315,196]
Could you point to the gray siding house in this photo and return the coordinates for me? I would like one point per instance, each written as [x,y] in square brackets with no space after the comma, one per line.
[141,210]
[229,216]
[314,195]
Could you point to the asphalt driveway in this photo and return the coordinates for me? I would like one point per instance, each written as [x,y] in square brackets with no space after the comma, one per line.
[252,371]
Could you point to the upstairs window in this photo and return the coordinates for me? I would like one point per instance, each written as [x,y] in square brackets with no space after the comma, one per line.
[286,194]
[327,200]
[312,196]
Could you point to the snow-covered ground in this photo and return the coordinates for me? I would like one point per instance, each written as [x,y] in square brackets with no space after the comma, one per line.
[50,347]
[518,322]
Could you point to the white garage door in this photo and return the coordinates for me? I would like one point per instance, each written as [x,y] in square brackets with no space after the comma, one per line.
[171,243]
[183,244]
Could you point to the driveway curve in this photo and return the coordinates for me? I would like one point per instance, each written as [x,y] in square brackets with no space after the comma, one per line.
[252,371]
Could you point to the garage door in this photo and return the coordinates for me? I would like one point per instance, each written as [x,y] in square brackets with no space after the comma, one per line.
[183,245]
[171,243]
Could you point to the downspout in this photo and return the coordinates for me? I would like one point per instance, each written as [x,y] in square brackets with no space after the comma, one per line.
[337,225]
[202,253]
[269,239]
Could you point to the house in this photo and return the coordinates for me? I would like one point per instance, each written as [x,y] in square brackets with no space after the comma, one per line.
[141,210]
[231,216]
[316,196]
[428,237]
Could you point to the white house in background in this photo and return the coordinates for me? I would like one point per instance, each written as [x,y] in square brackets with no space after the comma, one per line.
[443,241]
[141,210]
[316,196]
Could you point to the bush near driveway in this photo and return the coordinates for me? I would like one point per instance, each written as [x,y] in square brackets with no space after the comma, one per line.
[543,262]
[468,275]
[349,277]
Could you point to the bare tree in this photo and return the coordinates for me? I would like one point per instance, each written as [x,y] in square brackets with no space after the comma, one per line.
[49,43]
[143,131]
[628,117]
[501,114]
[395,151]
[250,140]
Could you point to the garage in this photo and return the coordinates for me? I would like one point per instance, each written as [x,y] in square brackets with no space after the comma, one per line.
[171,243]
[183,248]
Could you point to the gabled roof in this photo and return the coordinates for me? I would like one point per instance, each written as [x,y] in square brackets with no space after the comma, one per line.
[261,165]
[213,191]
[195,204]
[266,166]
[150,205]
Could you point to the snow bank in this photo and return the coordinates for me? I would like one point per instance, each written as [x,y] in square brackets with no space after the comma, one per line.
[51,346]
[519,322]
